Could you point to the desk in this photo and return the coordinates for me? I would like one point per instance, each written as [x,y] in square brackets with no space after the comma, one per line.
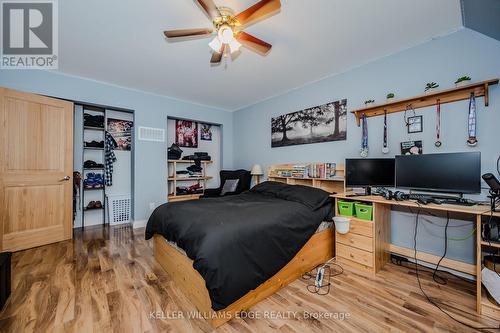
[373,259]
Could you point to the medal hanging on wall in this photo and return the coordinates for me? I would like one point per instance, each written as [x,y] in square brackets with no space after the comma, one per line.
[472,140]
[364,138]
[385,148]
[438,143]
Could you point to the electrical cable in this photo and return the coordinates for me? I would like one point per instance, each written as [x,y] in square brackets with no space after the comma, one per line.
[435,277]
[312,288]
[425,294]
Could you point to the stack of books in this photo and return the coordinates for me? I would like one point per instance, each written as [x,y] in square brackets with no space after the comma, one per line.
[310,170]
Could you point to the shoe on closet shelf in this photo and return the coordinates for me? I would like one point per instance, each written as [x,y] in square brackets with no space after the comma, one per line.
[89,164]
[89,180]
[98,180]
[94,144]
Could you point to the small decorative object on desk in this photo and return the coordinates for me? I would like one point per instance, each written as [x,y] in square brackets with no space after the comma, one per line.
[431,87]
[462,81]
[390,97]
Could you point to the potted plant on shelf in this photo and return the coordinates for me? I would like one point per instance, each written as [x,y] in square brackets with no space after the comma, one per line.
[369,102]
[431,87]
[390,97]
[462,81]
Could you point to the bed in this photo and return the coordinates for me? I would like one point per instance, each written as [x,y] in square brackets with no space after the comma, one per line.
[226,254]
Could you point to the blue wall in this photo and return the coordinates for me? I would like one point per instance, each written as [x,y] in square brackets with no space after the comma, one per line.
[150,110]
[441,60]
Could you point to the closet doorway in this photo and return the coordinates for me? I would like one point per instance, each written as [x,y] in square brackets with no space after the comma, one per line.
[103,158]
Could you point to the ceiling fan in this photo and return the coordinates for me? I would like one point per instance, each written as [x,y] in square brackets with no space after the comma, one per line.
[228,28]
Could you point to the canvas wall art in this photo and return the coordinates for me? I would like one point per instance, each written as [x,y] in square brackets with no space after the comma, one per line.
[206,132]
[322,123]
[121,131]
[186,133]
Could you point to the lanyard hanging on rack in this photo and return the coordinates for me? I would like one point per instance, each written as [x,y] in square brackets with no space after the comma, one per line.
[472,140]
[438,143]
[385,148]
[364,138]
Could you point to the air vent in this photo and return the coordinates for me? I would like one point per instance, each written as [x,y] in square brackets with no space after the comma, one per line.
[151,134]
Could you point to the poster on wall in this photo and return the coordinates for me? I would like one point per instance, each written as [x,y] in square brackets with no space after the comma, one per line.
[411,148]
[206,132]
[186,133]
[322,123]
[121,131]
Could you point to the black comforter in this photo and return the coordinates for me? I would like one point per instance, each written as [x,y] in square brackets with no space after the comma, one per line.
[238,242]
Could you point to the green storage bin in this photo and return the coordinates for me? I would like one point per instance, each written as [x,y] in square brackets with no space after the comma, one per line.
[346,208]
[364,212]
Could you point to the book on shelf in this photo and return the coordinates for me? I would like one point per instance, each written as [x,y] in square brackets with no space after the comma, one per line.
[309,170]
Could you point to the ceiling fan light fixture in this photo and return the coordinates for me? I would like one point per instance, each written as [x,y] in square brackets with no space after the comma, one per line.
[234,46]
[215,44]
[226,34]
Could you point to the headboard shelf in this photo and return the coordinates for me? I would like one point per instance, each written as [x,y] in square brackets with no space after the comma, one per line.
[334,183]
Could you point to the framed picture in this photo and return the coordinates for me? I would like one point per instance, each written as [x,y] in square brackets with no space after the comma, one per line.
[206,132]
[186,133]
[322,123]
[415,124]
[121,131]
[411,148]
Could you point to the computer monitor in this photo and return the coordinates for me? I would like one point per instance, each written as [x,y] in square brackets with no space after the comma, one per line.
[448,173]
[367,172]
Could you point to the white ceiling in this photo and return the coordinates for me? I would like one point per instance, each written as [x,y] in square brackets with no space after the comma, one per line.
[121,42]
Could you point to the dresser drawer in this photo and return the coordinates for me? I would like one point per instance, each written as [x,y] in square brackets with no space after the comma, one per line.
[356,255]
[361,227]
[357,241]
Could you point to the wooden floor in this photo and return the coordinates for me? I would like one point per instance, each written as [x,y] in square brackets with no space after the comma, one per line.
[107,280]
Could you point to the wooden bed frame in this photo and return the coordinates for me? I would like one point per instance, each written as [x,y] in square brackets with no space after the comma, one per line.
[317,250]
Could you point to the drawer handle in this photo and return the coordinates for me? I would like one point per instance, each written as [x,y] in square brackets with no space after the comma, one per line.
[351,255]
[351,240]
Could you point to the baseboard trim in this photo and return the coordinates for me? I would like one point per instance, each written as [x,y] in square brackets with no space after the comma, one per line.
[139,223]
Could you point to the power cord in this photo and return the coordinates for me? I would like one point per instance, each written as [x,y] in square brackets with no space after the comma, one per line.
[322,271]
[425,294]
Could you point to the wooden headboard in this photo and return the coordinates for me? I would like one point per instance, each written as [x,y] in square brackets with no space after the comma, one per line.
[336,183]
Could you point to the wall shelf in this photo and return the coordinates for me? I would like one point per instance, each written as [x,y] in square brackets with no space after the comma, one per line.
[186,161]
[444,96]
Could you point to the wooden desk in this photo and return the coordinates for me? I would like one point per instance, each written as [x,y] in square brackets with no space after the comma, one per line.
[382,246]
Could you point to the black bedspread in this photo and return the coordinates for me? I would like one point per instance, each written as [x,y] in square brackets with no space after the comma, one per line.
[240,241]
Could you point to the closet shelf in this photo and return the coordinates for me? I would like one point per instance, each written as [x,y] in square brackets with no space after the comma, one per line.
[90,128]
[93,148]
[187,161]
[444,96]
[93,169]
[87,209]
[93,188]
[189,178]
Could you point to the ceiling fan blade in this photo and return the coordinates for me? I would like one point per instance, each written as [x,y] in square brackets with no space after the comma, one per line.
[187,32]
[258,11]
[217,56]
[253,43]
[209,8]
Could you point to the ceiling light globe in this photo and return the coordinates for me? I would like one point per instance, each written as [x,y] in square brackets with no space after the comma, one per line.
[226,34]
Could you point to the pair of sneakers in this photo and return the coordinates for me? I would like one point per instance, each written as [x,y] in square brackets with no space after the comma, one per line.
[93,180]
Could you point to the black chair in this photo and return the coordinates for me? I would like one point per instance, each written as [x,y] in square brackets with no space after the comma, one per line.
[244,177]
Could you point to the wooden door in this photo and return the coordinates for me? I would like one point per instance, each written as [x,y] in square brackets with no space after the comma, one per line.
[36,167]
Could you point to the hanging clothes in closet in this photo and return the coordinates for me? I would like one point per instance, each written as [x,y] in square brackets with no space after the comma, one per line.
[109,158]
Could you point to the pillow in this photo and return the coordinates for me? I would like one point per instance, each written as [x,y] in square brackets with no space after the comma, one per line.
[268,187]
[312,197]
[230,185]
